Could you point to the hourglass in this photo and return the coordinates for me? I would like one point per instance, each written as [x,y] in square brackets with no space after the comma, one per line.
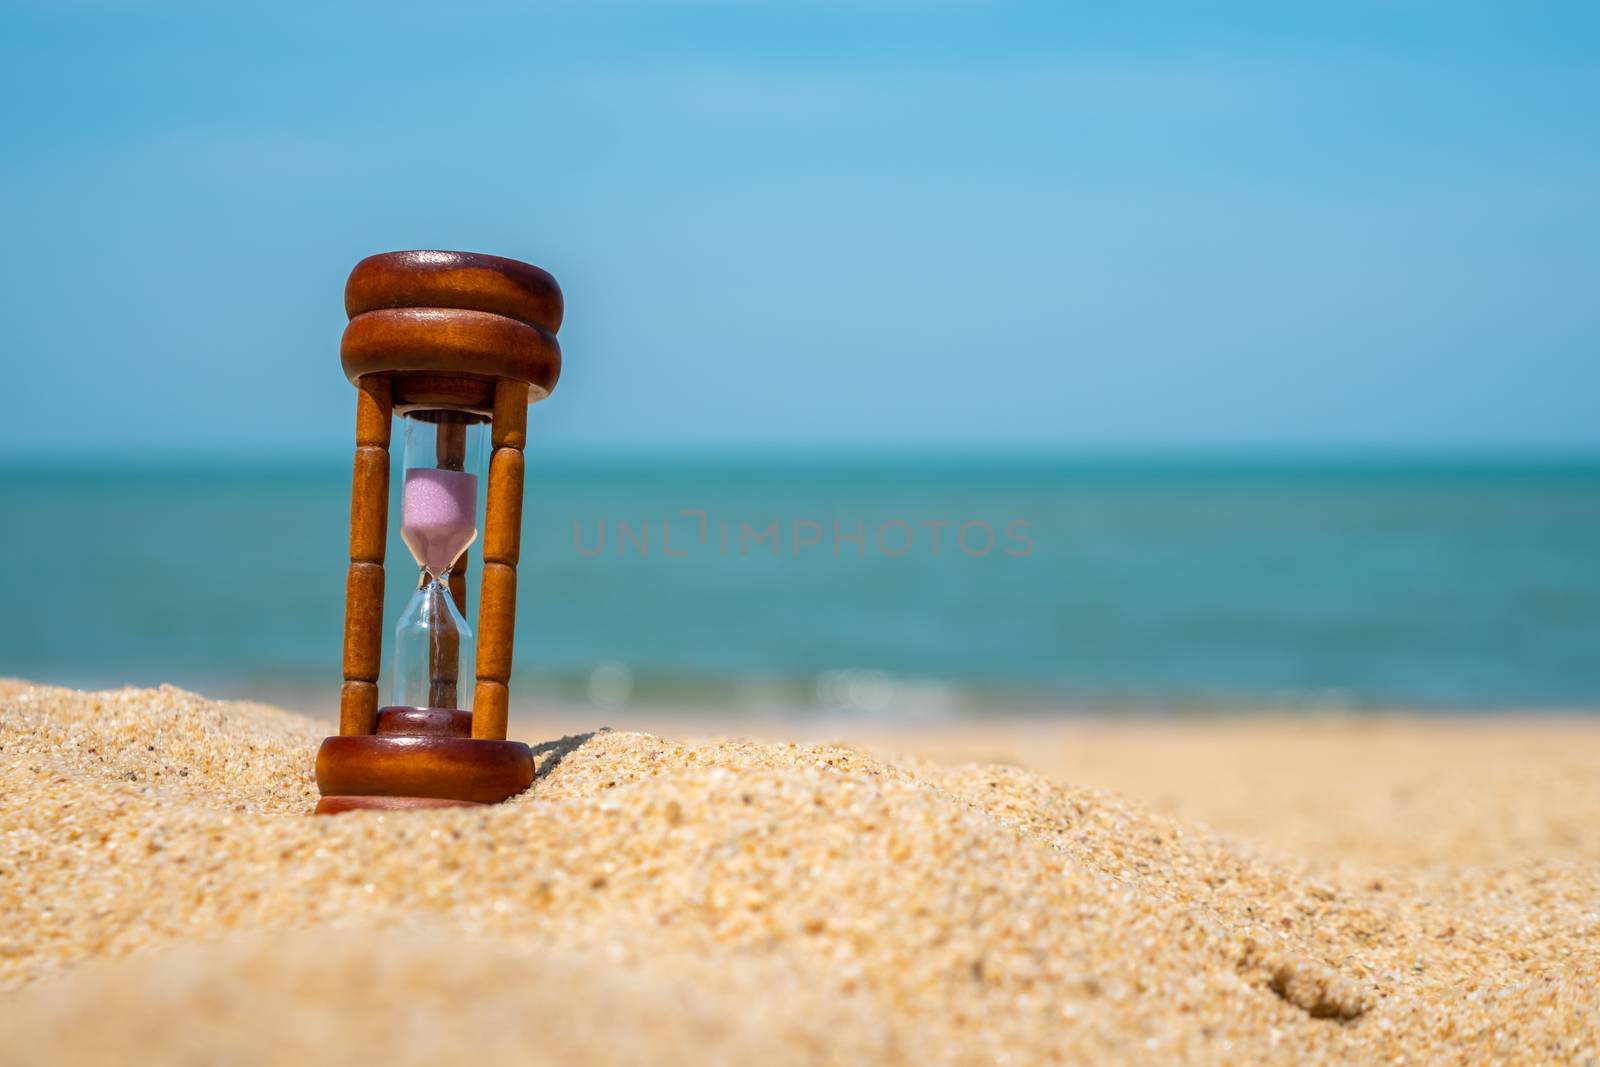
[454,346]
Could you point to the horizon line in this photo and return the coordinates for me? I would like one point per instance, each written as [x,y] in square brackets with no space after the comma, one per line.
[1242,455]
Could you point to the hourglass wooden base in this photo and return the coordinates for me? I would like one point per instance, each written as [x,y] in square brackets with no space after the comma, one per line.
[419,758]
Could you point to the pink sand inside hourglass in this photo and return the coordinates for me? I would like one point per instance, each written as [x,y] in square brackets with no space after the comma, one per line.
[438,509]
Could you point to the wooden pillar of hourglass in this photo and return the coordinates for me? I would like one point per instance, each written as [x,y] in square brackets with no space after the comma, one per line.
[440,331]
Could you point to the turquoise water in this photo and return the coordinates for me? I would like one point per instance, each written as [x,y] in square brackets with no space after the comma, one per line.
[1121,584]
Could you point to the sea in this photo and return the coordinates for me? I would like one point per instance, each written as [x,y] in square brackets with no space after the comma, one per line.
[906,586]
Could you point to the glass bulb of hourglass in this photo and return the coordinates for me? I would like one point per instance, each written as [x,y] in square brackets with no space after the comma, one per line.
[438,516]
[433,647]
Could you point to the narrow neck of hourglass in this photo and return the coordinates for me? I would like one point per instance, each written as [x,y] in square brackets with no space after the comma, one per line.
[425,578]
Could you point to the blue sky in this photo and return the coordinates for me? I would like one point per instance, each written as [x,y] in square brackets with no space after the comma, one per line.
[851,225]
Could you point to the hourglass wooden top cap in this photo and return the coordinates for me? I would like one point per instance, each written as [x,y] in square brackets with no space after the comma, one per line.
[453,313]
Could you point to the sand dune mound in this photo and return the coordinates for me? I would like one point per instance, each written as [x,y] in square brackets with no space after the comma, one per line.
[727,902]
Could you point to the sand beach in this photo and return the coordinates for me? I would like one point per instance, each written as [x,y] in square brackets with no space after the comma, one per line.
[1390,890]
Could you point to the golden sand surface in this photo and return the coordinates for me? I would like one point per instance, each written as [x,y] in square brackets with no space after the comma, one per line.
[1388,789]
[166,900]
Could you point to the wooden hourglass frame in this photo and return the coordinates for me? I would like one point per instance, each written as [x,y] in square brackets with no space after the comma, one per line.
[437,332]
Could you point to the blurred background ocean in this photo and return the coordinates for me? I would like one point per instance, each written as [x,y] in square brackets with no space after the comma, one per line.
[1127,585]
[1273,325]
